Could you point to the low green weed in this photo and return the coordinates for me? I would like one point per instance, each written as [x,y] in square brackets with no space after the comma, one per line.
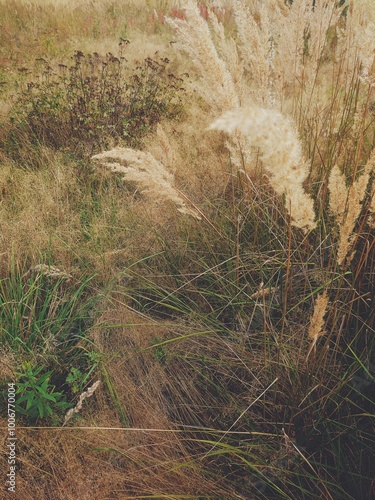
[36,396]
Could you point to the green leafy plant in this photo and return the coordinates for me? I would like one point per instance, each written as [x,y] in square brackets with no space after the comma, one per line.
[78,378]
[74,379]
[36,396]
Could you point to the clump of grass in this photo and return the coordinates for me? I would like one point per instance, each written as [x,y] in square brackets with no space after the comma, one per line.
[226,343]
[45,323]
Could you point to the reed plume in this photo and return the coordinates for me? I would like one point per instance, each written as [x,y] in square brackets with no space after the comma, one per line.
[281,152]
[360,36]
[256,46]
[228,51]
[316,327]
[345,205]
[194,37]
[143,169]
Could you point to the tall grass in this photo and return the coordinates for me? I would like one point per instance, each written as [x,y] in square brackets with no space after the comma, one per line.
[237,345]
[43,323]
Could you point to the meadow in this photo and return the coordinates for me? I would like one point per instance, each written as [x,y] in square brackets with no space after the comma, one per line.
[187,251]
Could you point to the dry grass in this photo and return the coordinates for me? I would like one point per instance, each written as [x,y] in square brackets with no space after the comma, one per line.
[105,464]
[119,462]
[83,222]
[234,352]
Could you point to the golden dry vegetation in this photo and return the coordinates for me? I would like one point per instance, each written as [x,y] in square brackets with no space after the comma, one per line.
[187,259]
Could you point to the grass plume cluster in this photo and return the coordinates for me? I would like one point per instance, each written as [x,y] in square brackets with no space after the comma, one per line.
[345,204]
[212,274]
[142,169]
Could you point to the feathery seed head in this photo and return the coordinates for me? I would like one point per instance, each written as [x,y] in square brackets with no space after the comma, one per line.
[281,153]
[194,36]
[345,205]
[151,175]
[316,327]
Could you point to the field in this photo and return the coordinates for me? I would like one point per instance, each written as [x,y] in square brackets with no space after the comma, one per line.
[187,251]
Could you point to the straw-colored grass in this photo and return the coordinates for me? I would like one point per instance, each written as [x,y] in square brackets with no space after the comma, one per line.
[203,305]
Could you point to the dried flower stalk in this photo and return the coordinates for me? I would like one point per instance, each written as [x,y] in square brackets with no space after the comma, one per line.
[87,394]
